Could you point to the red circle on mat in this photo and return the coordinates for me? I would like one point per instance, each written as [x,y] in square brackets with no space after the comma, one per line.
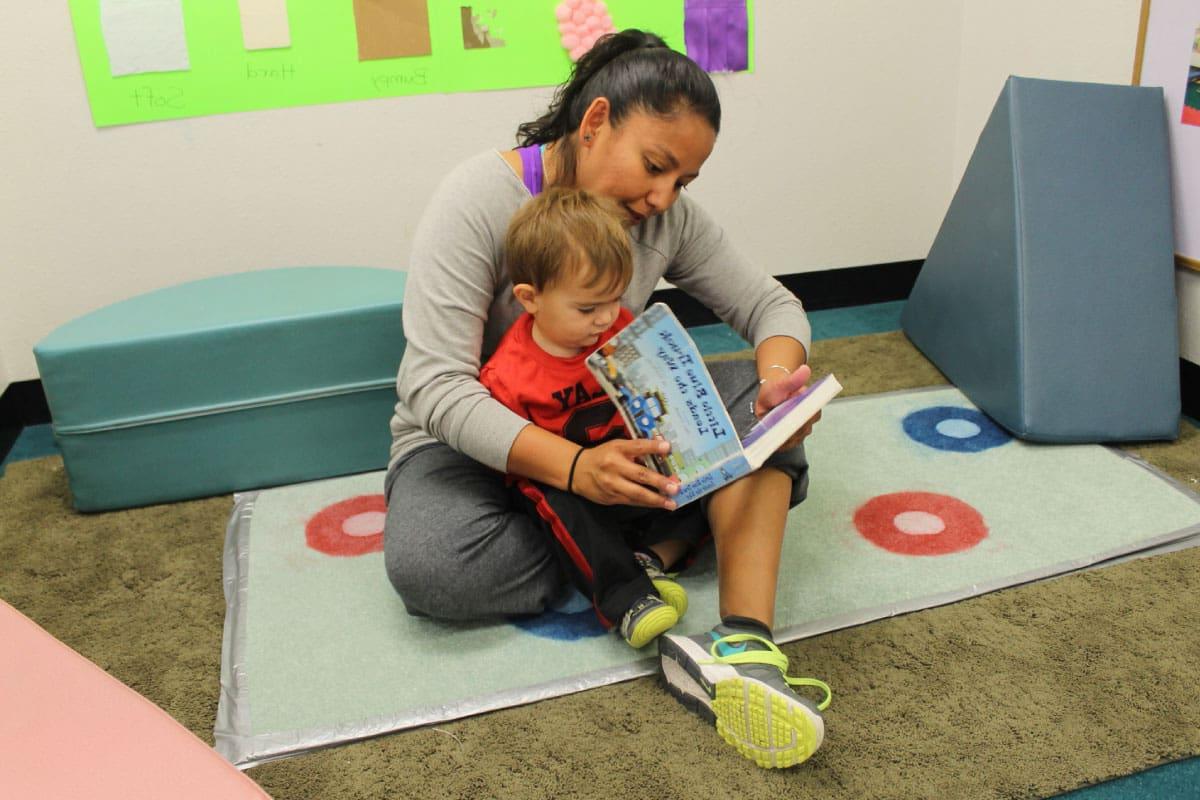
[338,530]
[962,525]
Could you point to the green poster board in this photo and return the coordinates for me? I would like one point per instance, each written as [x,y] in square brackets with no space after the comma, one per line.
[321,65]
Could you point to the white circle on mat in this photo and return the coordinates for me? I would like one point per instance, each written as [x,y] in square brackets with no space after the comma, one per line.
[918,523]
[368,523]
[958,428]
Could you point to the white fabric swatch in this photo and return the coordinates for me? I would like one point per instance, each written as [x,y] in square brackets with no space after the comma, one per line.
[144,36]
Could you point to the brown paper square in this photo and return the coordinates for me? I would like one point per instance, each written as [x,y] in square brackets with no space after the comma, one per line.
[391,28]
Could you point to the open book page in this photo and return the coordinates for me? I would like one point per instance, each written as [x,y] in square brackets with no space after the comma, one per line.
[655,373]
[778,424]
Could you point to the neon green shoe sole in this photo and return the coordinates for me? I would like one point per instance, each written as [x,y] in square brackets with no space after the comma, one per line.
[762,725]
[673,594]
[746,695]
[649,625]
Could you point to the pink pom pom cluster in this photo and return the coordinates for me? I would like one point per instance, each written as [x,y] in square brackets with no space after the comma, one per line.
[581,23]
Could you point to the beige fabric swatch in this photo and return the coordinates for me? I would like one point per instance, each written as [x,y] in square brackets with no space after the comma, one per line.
[265,24]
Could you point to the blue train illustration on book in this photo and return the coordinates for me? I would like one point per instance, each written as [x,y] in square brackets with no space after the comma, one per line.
[656,376]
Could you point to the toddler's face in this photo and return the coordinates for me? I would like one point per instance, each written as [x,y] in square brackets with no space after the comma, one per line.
[569,316]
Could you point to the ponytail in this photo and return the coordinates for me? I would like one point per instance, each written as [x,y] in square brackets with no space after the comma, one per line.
[635,71]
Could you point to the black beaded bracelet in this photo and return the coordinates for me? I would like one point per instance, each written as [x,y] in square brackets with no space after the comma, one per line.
[571,474]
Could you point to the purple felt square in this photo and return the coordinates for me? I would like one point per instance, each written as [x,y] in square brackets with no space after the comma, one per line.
[716,34]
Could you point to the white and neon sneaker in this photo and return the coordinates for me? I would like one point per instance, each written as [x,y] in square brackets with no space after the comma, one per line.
[739,682]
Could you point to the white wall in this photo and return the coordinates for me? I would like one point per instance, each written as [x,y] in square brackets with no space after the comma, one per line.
[6,293]
[834,153]
[842,149]
[1074,40]
[93,216]
[1187,285]
[1070,40]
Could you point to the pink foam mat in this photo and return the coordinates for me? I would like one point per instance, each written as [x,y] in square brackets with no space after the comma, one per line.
[69,729]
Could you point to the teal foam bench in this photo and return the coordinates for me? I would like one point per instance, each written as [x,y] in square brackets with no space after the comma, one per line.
[236,382]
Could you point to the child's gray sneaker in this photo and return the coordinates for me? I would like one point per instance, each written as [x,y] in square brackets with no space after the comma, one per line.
[666,586]
[739,682]
[645,620]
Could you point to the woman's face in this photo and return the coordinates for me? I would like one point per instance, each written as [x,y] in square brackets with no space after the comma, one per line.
[644,162]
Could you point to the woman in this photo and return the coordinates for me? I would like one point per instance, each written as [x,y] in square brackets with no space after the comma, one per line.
[635,123]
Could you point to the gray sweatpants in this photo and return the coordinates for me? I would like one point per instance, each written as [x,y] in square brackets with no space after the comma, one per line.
[457,547]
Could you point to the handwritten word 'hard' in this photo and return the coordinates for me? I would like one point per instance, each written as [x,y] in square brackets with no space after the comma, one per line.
[147,97]
[418,77]
[283,72]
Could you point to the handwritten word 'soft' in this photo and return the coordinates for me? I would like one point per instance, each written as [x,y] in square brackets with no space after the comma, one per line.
[148,97]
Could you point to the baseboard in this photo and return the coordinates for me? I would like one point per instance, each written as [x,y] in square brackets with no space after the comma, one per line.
[831,288]
[22,404]
[1189,388]
[8,437]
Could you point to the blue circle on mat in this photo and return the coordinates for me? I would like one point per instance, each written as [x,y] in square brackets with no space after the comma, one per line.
[568,619]
[955,429]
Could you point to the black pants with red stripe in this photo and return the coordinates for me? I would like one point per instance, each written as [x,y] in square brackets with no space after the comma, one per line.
[595,543]
[453,523]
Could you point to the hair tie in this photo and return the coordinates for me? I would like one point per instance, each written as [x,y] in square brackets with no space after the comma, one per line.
[571,474]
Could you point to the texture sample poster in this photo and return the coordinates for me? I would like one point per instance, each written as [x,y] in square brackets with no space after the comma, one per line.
[260,54]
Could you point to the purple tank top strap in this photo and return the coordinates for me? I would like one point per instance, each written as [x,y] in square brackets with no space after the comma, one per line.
[531,168]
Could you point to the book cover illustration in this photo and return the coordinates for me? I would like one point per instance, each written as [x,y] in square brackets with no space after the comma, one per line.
[657,379]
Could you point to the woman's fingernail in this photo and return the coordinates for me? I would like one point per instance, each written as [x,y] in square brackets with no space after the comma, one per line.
[669,505]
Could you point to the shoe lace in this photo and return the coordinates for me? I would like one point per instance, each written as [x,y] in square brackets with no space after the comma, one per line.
[770,655]
[649,566]
[641,605]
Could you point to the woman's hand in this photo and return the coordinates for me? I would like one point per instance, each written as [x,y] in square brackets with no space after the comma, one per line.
[612,474]
[774,391]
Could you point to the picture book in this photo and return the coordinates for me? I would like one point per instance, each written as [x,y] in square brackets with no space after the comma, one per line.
[655,375]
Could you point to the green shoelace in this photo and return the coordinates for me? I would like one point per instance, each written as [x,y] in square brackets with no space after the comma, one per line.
[771,656]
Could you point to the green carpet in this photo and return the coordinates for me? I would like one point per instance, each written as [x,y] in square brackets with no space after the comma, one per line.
[1020,693]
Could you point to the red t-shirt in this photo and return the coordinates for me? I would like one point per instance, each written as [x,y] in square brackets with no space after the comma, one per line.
[557,394]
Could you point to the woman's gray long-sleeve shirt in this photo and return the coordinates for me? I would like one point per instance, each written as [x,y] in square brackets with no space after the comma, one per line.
[458,303]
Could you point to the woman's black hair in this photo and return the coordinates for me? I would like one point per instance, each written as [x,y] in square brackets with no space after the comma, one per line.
[635,71]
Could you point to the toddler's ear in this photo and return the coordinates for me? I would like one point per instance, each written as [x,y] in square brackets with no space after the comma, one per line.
[527,296]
